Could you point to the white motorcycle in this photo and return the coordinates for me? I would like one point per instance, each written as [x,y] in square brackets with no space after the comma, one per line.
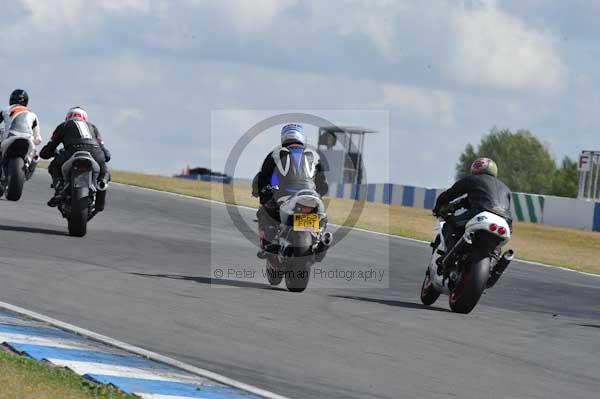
[19,160]
[303,239]
[473,264]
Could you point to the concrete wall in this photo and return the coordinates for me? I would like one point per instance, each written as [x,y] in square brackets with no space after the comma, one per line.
[567,212]
[554,211]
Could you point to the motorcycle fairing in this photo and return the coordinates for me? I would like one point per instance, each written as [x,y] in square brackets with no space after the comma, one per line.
[479,222]
[483,220]
[66,168]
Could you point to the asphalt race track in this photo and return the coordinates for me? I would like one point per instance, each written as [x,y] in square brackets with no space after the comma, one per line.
[142,275]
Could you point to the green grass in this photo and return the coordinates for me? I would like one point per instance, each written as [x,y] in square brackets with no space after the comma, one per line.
[22,378]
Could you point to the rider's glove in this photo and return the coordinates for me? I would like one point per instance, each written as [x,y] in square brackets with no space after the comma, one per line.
[266,194]
[440,211]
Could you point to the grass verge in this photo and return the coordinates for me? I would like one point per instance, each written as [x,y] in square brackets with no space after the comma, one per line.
[570,248]
[22,378]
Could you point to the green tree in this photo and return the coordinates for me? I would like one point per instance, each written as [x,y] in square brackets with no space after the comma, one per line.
[463,167]
[566,179]
[524,163]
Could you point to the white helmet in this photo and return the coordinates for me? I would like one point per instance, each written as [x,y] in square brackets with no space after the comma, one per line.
[484,166]
[292,134]
[76,113]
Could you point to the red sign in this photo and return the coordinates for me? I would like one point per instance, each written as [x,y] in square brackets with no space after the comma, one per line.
[585,164]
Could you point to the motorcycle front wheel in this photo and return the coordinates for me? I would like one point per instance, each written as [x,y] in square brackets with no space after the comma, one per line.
[273,275]
[428,292]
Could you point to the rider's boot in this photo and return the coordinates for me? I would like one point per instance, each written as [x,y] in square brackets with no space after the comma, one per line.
[268,240]
[58,188]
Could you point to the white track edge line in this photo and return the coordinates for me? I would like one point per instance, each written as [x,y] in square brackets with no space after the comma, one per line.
[143,352]
[528,262]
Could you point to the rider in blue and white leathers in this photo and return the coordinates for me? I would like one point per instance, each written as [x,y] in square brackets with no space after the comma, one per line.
[291,167]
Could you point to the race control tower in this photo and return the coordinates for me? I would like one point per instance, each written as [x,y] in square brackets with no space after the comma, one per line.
[341,150]
[589,175]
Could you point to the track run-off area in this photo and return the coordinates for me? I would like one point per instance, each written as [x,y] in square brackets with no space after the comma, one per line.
[142,275]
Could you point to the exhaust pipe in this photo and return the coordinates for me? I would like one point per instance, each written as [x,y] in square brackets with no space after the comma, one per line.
[102,185]
[323,246]
[500,267]
[455,252]
[327,238]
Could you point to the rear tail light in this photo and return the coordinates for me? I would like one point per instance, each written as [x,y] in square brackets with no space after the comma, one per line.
[502,231]
[81,166]
[304,209]
[493,227]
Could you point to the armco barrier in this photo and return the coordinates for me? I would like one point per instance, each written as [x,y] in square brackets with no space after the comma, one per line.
[207,178]
[394,194]
[533,208]
[528,207]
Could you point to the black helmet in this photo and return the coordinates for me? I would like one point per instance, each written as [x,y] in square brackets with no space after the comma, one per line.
[19,97]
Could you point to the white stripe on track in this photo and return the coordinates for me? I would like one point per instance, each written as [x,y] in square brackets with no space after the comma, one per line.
[353,228]
[82,368]
[144,352]
[17,322]
[154,396]
[44,341]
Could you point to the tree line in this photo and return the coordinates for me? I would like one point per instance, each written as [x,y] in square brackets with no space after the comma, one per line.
[524,163]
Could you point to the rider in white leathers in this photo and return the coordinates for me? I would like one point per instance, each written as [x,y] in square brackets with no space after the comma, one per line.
[18,118]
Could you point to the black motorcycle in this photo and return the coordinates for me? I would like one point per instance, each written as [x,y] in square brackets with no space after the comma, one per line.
[83,195]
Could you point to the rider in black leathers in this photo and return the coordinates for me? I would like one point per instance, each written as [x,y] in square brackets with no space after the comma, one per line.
[75,134]
[291,167]
[484,192]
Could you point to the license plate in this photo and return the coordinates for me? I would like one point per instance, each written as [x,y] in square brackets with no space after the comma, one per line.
[81,180]
[306,222]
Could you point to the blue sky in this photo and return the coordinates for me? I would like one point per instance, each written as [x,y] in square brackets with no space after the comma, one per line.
[152,72]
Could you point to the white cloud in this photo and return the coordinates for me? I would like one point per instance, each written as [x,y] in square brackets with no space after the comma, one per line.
[127,115]
[253,17]
[376,20]
[125,73]
[418,104]
[55,25]
[446,70]
[125,6]
[495,50]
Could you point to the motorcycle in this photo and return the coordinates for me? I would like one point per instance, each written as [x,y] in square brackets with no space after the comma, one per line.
[83,195]
[302,237]
[19,160]
[471,266]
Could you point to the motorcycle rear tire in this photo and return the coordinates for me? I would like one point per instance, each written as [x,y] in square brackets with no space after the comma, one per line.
[471,285]
[16,178]
[79,215]
[297,273]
